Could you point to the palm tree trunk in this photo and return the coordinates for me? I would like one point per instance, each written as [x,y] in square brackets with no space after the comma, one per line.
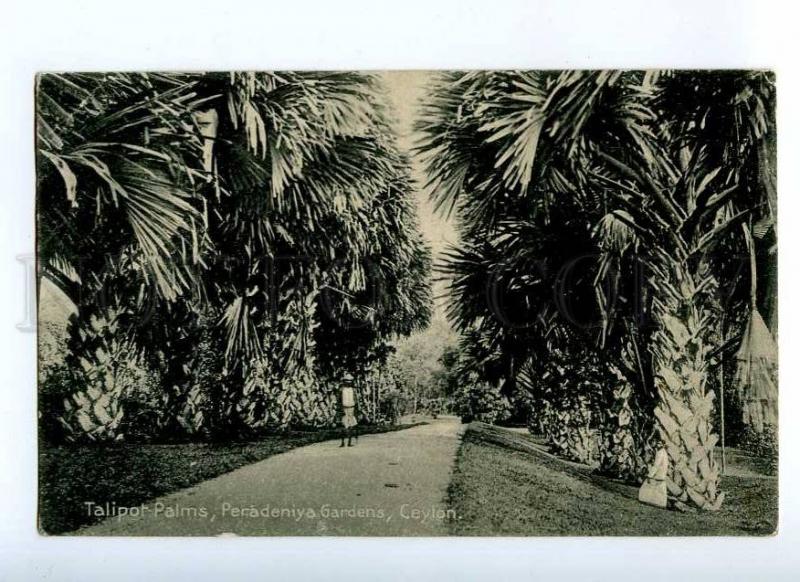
[682,313]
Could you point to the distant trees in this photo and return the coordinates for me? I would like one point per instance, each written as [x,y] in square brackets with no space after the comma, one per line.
[418,367]
[242,236]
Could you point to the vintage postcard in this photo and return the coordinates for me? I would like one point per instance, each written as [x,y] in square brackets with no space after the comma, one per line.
[407,303]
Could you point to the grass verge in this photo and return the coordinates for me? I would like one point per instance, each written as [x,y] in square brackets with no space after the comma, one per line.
[503,484]
[130,474]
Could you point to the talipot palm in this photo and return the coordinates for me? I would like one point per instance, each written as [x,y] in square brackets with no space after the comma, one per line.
[251,213]
[664,165]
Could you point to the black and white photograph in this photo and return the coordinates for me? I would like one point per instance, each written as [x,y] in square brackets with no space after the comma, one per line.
[407,303]
[418,291]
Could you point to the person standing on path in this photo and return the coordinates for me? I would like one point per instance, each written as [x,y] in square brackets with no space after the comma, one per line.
[348,401]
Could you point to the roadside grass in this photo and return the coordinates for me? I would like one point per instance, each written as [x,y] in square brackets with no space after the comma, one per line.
[131,474]
[504,484]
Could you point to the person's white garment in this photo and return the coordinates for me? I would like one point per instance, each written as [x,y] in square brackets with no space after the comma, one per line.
[660,465]
[654,489]
[348,407]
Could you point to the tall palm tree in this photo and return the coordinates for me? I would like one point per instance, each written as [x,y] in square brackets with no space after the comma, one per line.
[628,148]
[312,188]
[257,211]
[118,171]
[688,185]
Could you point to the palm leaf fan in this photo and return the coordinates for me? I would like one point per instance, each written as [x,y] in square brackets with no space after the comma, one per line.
[757,374]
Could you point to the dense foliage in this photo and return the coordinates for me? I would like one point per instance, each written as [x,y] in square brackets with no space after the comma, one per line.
[258,238]
[603,217]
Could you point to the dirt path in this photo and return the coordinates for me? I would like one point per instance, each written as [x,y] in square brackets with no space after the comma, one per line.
[387,485]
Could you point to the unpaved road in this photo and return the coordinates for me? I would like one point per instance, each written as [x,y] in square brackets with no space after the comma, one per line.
[391,484]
